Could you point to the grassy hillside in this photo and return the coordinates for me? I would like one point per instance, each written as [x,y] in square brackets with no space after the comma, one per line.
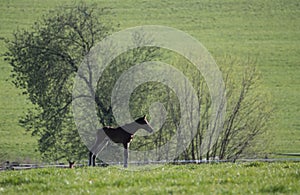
[266,31]
[249,178]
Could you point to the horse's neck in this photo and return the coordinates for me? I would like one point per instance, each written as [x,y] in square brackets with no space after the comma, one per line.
[131,127]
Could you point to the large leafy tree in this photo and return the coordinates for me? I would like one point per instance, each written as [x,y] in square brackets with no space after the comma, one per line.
[45,60]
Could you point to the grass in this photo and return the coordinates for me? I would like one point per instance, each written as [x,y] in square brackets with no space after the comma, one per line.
[227,178]
[266,31]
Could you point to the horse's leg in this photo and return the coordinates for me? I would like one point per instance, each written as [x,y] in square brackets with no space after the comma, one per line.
[90,158]
[99,149]
[94,160]
[94,150]
[126,154]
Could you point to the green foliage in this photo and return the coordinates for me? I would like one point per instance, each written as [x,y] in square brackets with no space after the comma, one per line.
[175,179]
[44,61]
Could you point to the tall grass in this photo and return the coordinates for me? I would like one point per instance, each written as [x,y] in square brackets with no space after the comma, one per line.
[227,178]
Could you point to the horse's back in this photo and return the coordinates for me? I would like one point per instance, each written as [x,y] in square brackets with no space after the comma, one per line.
[117,135]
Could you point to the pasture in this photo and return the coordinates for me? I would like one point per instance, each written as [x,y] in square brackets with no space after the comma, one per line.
[225,178]
[267,32]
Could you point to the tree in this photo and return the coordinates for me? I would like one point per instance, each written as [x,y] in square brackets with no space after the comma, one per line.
[247,114]
[44,61]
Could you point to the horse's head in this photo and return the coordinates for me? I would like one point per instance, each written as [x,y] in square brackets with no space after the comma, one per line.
[144,124]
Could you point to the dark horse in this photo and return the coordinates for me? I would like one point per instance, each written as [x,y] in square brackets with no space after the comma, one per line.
[123,135]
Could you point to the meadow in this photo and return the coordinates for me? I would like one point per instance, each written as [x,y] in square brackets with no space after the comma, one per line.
[267,32]
[226,178]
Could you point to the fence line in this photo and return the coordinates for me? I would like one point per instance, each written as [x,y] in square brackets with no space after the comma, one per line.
[203,161]
[16,166]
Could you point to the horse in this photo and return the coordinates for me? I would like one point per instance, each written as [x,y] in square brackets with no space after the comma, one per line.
[123,134]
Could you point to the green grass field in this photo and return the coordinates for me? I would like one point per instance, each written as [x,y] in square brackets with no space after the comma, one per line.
[227,178]
[265,31]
